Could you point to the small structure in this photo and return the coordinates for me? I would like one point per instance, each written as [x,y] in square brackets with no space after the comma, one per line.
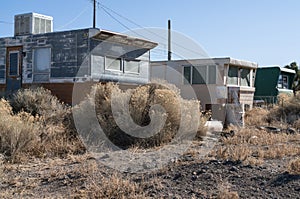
[223,85]
[271,81]
[36,56]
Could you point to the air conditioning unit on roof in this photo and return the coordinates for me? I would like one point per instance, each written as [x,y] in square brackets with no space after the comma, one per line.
[32,23]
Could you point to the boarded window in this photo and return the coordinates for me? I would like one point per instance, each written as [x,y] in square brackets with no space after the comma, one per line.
[14,63]
[42,63]
[131,66]
[233,75]
[245,77]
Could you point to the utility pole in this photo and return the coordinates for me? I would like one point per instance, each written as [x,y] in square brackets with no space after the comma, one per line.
[169,41]
[94,19]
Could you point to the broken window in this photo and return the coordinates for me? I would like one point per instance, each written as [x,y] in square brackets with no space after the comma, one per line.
[41,64]
[245,76]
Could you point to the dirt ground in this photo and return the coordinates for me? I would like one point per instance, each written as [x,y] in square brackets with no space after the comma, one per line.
[189,176]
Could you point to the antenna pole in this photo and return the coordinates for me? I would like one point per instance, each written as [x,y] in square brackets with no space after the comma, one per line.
[169,41]
[94,18]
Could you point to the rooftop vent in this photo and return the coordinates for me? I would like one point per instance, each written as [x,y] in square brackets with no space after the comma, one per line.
[32,23]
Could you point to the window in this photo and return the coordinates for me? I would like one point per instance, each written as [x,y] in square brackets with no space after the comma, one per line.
[212,74]
[245,77]
[41,64]
[122,65]
[13,63]
[113,64]
[131,66]
[283,81]
[233,75]
[200,74]
[187,74]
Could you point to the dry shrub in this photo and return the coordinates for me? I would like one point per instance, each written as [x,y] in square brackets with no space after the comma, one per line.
[287,111]
[18,133]
[147,116]
[41,102]
[294,166]
[56,135]
[256,117]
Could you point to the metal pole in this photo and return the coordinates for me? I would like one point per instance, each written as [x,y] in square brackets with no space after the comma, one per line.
[169,41]
[94,18]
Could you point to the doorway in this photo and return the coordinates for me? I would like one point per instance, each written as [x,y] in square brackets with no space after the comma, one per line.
[13,69]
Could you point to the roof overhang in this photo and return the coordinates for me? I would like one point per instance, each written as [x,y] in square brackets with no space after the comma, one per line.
[287,70]
[242,63]
[119,38]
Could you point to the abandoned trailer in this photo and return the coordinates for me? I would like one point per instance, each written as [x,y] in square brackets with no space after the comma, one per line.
[37,56]
[224,86]
[272,81]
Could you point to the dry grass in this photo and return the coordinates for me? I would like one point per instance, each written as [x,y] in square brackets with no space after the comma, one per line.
[288,110]
[114,186]
[252,146]
[225,192]
[256,117]
[294,166]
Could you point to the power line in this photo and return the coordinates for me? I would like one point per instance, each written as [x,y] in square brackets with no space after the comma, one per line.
[121,22]
[74,19]
[5,22]
[105,9]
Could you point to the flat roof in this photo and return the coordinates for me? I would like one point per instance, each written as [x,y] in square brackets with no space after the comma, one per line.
[114,37]
[281,69]
[227,60]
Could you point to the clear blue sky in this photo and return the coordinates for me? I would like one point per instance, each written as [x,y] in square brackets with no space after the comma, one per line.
[262,31]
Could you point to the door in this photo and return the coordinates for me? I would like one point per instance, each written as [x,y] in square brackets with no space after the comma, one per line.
[13,69]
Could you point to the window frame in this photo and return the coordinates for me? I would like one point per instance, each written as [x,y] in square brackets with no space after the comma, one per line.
[122,65]
[248,75]
[36,72]
[237,76]
[133,60]
[206,79]
[18,64]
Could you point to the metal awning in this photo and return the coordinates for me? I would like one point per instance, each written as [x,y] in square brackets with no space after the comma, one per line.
[119,38]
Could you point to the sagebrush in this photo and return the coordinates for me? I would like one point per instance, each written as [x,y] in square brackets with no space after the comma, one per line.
[147,116]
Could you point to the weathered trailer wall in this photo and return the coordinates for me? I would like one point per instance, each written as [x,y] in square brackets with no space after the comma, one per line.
[68,50]
[75,57]
[100,50]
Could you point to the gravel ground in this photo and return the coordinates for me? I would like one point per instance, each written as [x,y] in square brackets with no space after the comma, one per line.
[186,178]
